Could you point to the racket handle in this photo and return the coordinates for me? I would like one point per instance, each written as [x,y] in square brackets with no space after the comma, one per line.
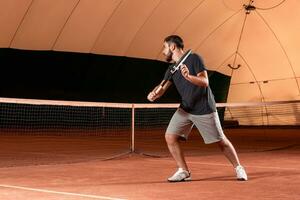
[160,87]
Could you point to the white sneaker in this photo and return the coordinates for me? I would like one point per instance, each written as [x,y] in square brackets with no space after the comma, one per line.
[180,175]
[241,173]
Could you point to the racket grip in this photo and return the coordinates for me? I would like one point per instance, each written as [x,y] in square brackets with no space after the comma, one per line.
[160,87]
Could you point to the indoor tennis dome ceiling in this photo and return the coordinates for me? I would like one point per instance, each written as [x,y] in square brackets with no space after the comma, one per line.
[256,42]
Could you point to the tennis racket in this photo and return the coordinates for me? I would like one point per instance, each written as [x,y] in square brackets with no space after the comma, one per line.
[175,68]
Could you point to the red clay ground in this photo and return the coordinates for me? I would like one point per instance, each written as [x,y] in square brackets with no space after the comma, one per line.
[76,172]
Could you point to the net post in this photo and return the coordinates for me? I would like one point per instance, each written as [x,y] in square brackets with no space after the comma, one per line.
[132,128]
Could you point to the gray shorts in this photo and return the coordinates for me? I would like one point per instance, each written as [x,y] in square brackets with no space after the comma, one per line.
[208,125]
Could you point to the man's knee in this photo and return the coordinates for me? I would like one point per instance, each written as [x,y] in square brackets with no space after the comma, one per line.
[171,138]
[223,143]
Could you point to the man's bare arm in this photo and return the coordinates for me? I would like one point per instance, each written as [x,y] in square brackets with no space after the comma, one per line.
[201,79]
[159,90]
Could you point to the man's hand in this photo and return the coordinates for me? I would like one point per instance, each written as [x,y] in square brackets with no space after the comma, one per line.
[152,96]
[185,71]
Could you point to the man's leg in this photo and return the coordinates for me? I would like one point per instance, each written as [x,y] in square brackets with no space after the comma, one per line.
[178,128]
[229,151]
[211,130]
[182,174]
[175,150]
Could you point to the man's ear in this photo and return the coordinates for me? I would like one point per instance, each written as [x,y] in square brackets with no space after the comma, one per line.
[172,46]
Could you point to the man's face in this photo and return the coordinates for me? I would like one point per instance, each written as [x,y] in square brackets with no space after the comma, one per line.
[167,52]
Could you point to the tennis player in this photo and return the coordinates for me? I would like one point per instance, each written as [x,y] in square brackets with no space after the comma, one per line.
[197,108]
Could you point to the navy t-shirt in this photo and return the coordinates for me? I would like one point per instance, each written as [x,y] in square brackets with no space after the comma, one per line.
[194,99]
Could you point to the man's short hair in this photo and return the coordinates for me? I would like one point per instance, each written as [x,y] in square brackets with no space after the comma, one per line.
[176,40]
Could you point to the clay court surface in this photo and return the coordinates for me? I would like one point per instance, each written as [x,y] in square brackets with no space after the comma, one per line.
[74,167]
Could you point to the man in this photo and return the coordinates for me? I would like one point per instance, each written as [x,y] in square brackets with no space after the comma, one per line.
[197,108]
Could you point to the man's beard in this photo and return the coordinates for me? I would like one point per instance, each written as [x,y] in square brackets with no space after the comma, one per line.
[169,56]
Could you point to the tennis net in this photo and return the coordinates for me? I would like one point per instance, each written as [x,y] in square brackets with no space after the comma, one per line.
[106,130]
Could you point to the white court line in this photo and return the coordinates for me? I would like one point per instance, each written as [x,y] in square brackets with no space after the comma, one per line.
[56,192]
[228,165]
